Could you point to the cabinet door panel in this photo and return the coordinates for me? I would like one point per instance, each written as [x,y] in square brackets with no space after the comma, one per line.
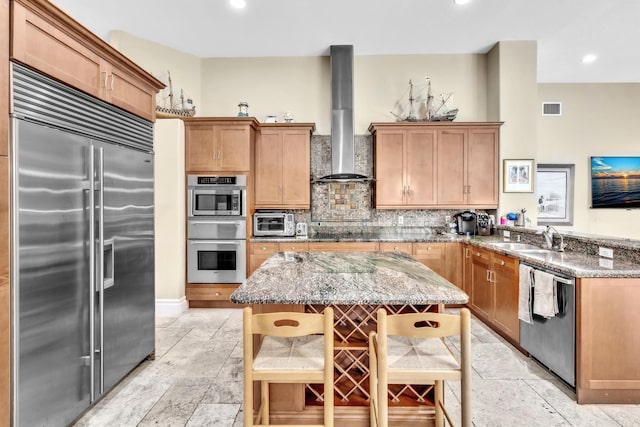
[389,164]
[451,167]
[234,148]
[38,43]
[130,94]
[396,247]
[200,152]
[481,287]
[482,170]
[296,169]
[454,264]
[432,255]
[506,295]
[420,167]
[268,178]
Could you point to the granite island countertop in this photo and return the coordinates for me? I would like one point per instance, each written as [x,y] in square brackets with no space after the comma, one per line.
[346,278]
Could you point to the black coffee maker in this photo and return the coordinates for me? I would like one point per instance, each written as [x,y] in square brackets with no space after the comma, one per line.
[466,222]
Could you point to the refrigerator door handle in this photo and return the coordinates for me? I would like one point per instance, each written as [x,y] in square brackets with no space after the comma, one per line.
[101,260]
[108,273]
[92,273]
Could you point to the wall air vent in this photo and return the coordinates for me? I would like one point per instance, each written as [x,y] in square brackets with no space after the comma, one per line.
[552,108]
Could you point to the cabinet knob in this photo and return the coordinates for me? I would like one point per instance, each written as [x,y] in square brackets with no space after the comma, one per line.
[218,294]
[264,248]
[396,248]
[293,248]
[501,262]
[428,248]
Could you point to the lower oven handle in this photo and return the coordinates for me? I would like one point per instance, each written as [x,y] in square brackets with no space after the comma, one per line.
[217,242]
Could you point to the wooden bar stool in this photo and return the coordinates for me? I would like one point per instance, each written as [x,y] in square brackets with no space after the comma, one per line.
[294,348]
[410,349]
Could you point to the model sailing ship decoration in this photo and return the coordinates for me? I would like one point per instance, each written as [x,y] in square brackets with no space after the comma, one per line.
[167,106]
[424,107]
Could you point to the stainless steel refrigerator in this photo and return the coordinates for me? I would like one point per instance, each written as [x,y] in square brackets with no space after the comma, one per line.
[82,247]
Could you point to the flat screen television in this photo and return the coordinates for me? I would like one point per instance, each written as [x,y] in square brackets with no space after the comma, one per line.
[615,182]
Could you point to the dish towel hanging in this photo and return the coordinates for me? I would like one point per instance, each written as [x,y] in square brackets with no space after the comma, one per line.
[524,299]
[545,299]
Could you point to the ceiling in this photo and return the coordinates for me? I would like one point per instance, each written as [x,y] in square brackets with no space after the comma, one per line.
[565,30]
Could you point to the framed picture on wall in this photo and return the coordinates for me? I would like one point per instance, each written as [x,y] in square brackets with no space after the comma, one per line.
[518,176]
[555,194]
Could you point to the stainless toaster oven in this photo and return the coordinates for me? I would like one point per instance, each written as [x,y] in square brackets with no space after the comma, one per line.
[275,224]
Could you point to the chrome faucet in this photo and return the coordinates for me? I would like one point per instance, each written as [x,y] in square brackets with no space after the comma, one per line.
[548,238]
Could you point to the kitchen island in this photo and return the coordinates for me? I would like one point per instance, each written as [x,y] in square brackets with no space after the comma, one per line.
[355,284]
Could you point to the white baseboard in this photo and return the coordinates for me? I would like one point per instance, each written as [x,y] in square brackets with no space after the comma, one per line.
[171,307]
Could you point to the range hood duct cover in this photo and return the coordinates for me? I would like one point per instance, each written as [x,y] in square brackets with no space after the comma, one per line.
[342,137]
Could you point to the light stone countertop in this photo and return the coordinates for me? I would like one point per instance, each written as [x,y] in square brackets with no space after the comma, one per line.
[576,263]
[346,278]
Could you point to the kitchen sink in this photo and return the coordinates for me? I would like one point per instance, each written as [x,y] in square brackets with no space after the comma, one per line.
[516,246]
[525,248]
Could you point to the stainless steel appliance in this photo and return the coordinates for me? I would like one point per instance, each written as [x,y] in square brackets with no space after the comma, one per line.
[216,250]
[301,230]
[553,341]
[217,229]
[82,248]
[273,224]
[217,195]
[484,224]
[466,222]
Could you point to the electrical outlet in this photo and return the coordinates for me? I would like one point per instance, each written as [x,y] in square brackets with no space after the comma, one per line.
[605,252]
[400,220]
[606,263]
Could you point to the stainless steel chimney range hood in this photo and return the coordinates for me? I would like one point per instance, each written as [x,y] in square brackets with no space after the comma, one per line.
[342,139]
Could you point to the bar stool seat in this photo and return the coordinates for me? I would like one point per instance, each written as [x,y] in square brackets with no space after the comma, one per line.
[410,349]
[293,348]
[285,353]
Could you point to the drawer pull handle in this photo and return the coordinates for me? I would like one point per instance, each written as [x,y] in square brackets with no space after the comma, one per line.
[502,262]
[218,294]
[264,249]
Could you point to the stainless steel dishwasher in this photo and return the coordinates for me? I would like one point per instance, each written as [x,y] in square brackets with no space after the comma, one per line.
[552,341]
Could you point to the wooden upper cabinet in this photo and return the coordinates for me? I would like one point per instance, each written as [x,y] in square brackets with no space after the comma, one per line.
[219,144]
[283,166]
[451,167]
[436,165]
[483,152]
[46,39]
[389,170]
[128,92]
[404,167]
[420,171]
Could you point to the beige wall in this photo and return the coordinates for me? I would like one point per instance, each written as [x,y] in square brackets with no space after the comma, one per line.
[169,209]
[302,85]
[596,120]
[157,59]
[513,66]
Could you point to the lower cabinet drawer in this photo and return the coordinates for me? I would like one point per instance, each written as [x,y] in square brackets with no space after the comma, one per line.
[199,292]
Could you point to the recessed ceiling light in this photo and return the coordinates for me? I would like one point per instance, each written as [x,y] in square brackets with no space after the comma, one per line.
[238,3]
[588,59]
[461,1]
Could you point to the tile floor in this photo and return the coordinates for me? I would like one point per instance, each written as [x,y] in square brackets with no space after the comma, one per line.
[196,380]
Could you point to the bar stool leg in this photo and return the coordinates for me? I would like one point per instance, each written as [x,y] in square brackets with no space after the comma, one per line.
[264,391]
[439,401]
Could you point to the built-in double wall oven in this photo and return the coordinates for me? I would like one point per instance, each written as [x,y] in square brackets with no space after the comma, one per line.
[216,229]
